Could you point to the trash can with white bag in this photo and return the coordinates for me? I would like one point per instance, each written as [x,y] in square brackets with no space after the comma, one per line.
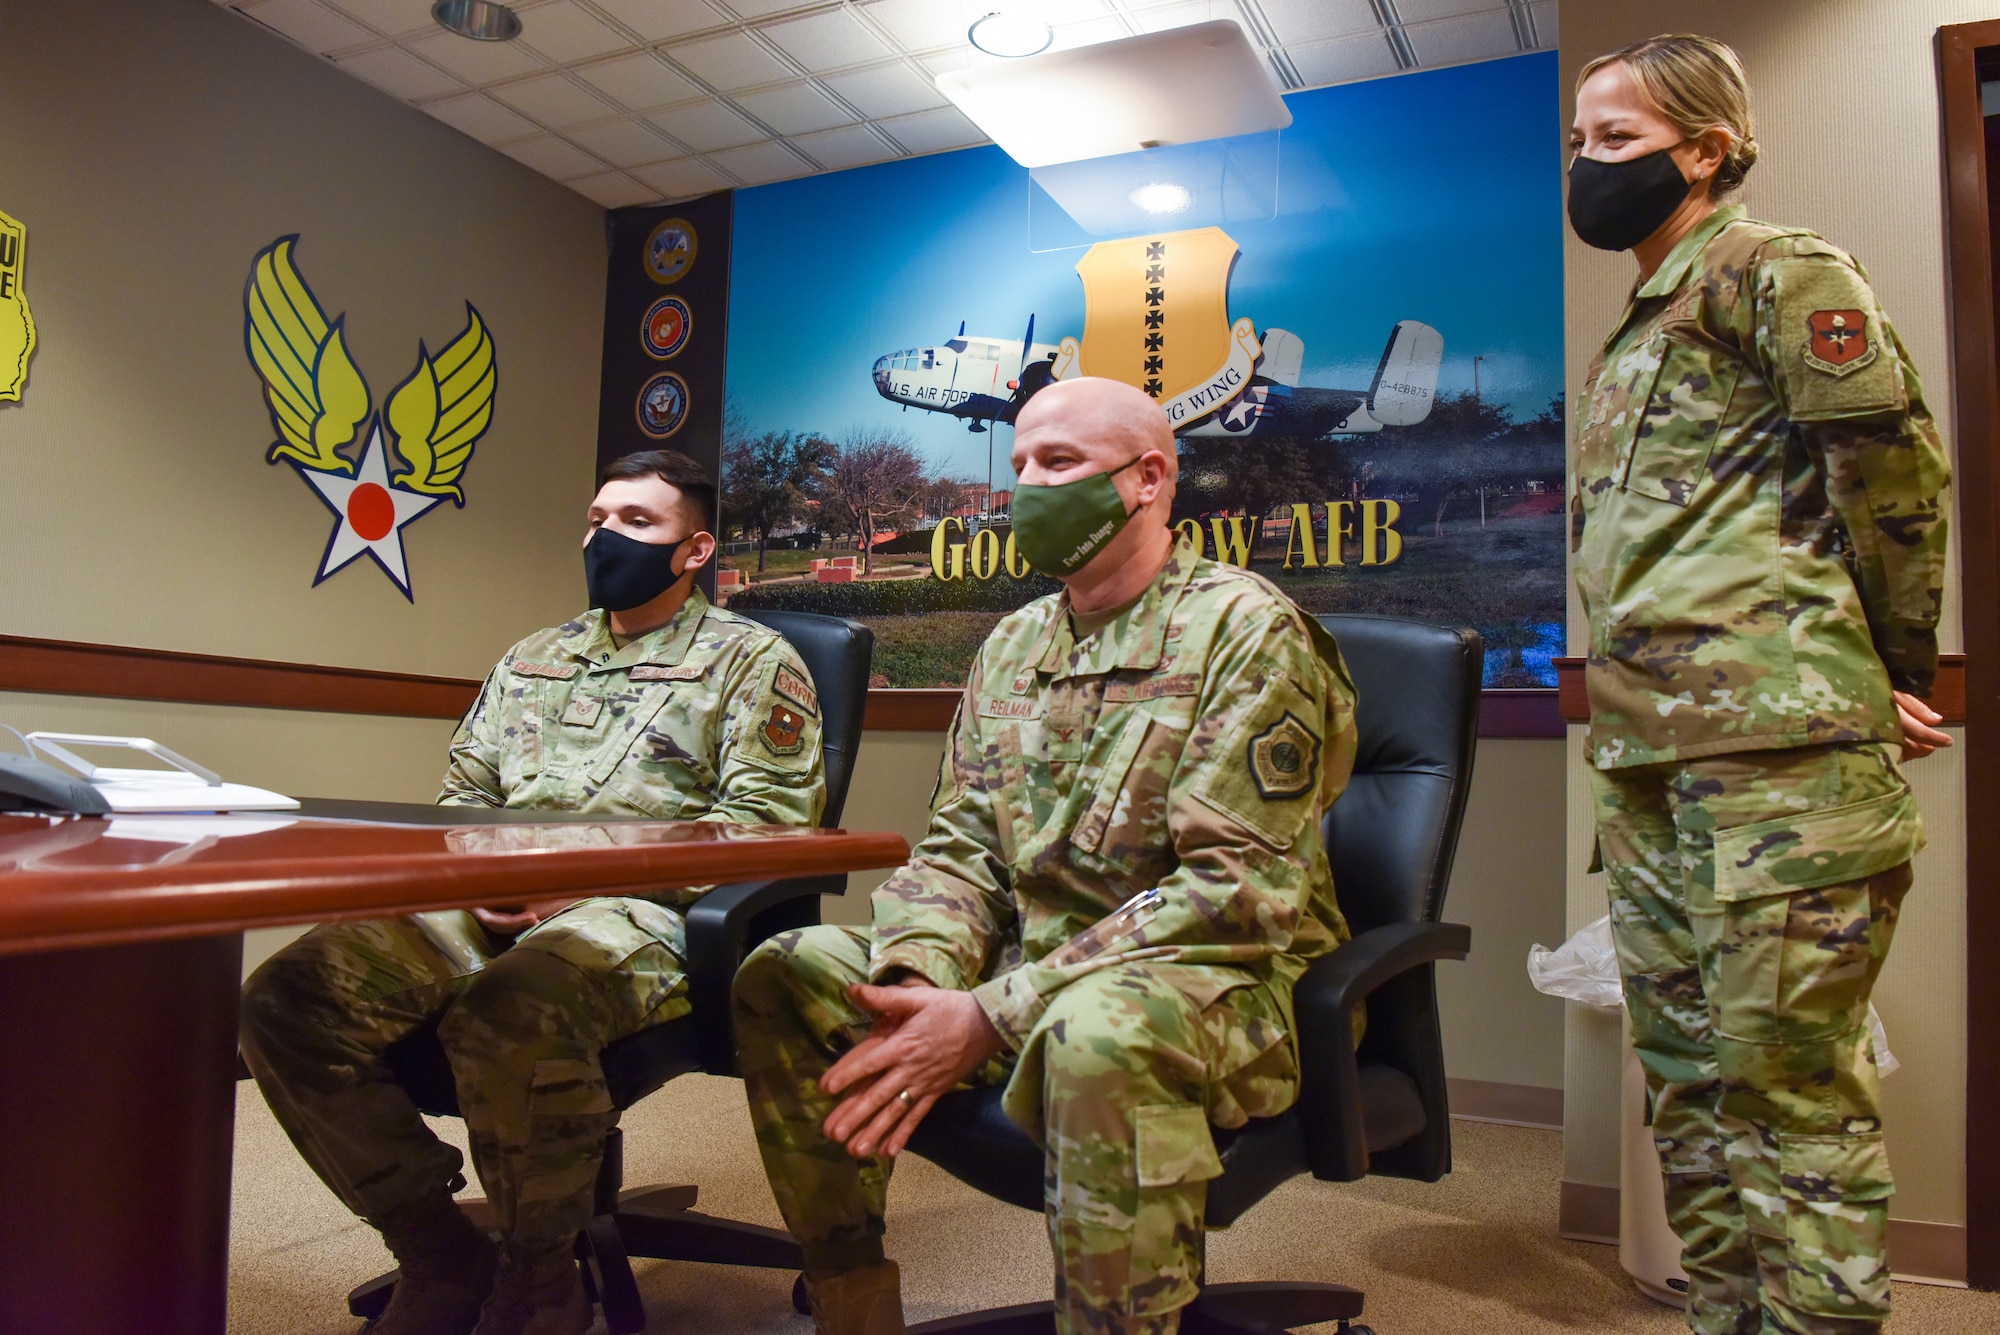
[1585,969]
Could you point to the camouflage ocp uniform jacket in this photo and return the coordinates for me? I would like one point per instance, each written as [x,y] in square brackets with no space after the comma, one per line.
[1758,522]
[711,717]
[1190,745]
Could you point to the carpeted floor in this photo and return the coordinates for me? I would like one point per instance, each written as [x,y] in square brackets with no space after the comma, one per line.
[1475,1252]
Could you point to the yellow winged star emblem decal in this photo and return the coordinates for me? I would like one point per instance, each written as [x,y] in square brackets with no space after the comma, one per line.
[320,406]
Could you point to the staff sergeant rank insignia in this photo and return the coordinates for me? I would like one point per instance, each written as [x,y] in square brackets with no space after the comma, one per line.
[1839,342]
[1284,759]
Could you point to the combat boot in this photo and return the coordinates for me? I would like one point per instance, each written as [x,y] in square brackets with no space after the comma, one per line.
[447,1269]
[536,1293]
[868,1301]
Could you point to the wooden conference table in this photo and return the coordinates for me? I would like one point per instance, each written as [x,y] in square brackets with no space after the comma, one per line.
[120,955]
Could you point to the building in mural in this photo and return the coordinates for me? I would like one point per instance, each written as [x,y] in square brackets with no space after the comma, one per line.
[865,469]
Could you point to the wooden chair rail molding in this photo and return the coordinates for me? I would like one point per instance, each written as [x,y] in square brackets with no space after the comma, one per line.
[67,667]
[1947,696]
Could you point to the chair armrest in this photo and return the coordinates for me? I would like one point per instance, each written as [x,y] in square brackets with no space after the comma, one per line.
[1324,1002]
[723,927]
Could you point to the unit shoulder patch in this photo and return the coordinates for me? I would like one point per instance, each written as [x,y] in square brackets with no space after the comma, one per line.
[557,671]
[1284,759]
[794,688]
[1838,342]
[677,672]
[784,731]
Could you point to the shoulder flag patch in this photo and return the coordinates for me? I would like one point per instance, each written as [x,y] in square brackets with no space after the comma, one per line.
[793,687]
[1284,759]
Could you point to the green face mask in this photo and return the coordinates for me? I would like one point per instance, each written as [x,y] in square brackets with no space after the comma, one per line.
[1059,528]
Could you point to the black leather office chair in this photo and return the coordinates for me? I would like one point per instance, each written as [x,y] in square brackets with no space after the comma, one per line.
[1391,838]
[722,927]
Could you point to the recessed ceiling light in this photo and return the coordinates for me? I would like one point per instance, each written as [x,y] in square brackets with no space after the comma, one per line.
[1010,33]
[481,20]
[1162,197]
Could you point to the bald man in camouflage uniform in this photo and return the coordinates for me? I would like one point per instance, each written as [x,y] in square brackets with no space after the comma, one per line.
[1176,743]
[708,717]
[1759,530]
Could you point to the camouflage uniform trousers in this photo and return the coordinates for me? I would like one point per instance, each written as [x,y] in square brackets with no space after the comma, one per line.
[522,1024]
[1119,1082]
[1753,898]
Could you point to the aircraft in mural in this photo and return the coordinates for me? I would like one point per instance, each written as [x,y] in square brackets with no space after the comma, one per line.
[982,380]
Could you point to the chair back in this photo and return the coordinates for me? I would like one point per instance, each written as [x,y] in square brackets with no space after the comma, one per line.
[837,652]
[1393,834]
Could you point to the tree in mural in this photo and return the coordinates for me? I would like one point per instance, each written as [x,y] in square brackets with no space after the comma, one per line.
[766,481]
[875,481]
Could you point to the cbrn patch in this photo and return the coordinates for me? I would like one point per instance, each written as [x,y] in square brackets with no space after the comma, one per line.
[1284,759]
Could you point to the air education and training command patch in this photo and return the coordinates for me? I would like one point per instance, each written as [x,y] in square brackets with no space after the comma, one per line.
[784,731]
[1284,759]
[1838,342]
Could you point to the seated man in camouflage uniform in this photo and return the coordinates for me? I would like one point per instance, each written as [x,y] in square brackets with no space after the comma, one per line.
[1163,736]
[661,706]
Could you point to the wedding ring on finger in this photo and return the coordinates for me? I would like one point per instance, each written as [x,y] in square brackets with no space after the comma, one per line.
[905,1099]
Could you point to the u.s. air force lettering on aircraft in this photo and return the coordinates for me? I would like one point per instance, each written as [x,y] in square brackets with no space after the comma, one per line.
[1157,318]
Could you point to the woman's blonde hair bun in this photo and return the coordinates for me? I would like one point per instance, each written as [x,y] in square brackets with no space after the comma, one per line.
[1698,84]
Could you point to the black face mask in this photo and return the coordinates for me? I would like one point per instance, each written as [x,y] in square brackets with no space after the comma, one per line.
[1616,205]
[623,573]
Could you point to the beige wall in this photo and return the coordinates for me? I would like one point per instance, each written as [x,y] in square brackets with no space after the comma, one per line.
[1847,114]
[151,147]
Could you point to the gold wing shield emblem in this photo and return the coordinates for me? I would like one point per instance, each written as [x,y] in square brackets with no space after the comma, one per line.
[1156,315]
[316,395]
[442,410]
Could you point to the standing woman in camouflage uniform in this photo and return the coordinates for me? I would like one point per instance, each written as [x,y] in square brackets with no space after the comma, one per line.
[1759,541]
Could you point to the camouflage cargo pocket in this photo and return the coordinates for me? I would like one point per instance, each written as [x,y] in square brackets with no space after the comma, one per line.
[1173,1145]
[1677,428]
[1817,848]
[1836,1191]
[568,1089]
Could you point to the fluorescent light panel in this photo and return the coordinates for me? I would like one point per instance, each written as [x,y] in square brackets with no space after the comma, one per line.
[1204,81]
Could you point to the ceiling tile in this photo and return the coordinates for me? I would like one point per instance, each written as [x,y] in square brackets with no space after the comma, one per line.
[1071,11]
[563,33]
[826,41]
[886,90]
[756,9]
[931,131]
[1316,20]
[553,158]
[1474,37]
[1344,58]
[624,143]
[797,108]
[553,100]
[474,61]
[1547,30]
[706,126]
[481,117]
[310,25]
[1426,11]
[391,18]
[640,81]
[684,179]
[614,190]
[759,163]
[848,146]
[729,62]
[395,70]
[920,25]
[656,20]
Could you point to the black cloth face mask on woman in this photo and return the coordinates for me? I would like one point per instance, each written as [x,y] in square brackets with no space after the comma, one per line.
[1616,205]
[622,573]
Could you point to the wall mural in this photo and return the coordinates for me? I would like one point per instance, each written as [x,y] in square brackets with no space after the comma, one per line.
[320,405]
[1365,376]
